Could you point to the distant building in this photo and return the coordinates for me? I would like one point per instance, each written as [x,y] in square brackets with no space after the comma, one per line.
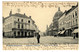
[46,33]
[56,17]
[19,25]
[49,30]
[53,28]
[68,22]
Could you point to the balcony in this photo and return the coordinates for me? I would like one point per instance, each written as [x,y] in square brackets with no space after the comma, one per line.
[21,22]
[22,29]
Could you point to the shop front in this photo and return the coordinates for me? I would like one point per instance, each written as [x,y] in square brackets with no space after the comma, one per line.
[75,33]
[62,33]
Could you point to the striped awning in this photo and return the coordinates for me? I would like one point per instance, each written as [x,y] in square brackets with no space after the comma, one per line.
[76,31]
[62,32]
[59,32]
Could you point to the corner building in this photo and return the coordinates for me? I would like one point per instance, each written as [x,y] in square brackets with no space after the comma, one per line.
[19,25]
[68,22]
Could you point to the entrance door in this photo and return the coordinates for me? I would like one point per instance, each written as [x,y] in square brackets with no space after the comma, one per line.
[29,34]
[14,33]
[22,34]
[25,34]
[18,34]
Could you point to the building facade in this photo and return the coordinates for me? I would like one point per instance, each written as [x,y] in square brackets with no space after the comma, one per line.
[19,25]
[53,28]
[49,30]
[68,22]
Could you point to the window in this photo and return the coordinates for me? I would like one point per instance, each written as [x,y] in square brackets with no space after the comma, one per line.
[76,21]
[18,19]
[29,33]
[76,13]
[18,33]
[22,26]
[29,21]
[22,20]
[15,33]
[18,25]
[73,15]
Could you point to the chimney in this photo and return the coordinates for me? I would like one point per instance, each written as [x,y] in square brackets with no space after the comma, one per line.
[65,10]
[10,13]
[58,8]
[29,16]
[73,6]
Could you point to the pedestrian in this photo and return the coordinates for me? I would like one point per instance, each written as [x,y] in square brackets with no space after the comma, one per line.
[38,38]
[74,36]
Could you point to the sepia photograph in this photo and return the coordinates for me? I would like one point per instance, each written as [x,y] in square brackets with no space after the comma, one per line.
[40,25]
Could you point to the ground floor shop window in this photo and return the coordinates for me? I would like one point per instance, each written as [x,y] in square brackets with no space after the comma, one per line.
[25,34]
[29,33]
[18,33]
[14,33]
[22,33]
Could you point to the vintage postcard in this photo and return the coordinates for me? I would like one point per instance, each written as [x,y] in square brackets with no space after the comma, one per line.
[40,25]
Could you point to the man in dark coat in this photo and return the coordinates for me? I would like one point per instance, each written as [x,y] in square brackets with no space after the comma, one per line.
[38,38]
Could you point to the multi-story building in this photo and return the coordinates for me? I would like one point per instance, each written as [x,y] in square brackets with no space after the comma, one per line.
[19,25]
[68,22]
[53,28]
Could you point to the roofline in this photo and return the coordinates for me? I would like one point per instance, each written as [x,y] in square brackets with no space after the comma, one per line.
[69,11]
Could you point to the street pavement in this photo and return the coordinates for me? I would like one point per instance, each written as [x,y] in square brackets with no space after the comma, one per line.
[43,40]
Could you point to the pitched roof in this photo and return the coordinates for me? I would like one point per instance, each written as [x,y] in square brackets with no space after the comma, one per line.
[67,12]
[19,15]
[73,7]
[16,14]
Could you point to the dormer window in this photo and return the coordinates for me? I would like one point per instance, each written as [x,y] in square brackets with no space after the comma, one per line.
[28,21]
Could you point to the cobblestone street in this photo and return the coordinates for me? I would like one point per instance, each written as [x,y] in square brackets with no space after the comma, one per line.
[43,40]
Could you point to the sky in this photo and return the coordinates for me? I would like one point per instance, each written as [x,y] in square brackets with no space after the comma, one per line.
[41,16]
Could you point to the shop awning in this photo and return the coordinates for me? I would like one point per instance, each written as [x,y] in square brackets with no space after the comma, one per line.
[62,32]
[76,31]
[59,32]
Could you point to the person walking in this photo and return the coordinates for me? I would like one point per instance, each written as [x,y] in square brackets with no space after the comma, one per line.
[74,36]
[38,38]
